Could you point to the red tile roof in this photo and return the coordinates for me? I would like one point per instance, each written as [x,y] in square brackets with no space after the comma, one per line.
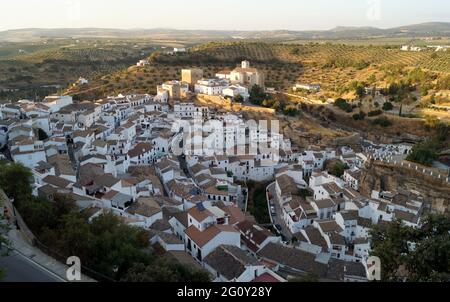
[266,277]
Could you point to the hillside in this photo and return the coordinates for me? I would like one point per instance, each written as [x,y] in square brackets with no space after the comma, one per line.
[433,29]
[333,66]
[28,67]
[383,176]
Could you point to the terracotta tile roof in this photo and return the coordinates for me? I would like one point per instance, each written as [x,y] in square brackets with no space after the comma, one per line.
[293,258]
[266,278]
[56,181]
[202,238]
[324,203]
[236,214]
[144,208]
[140,149]
[252,234]
[315,237]
[199,215]
[329,226]
[182,217]
[110,195]
[230,261]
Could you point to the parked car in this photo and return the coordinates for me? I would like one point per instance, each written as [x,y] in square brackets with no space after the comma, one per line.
[278,227]
[273,211]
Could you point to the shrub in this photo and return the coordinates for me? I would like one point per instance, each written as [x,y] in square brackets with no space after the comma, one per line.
[343,105]
[359,116]
[382,121]
[290,110]
[375,113]
[338,169]
[423,154]
[388,106]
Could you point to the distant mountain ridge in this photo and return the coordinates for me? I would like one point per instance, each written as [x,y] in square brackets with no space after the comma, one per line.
[434,29]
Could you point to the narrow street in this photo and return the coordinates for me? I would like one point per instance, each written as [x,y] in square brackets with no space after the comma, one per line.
[278,218]
[19,268]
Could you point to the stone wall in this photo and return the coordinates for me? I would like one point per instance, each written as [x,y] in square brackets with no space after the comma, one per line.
[383,176]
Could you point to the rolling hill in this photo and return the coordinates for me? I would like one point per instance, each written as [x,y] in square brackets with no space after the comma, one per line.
[431,29]
[333,66]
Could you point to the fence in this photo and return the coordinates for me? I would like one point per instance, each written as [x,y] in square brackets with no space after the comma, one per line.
[84,270]
[17,219]
[32,240]
[438,175]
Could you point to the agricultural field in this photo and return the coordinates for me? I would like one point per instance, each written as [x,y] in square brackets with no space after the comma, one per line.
[333,66]
[336,67]
[26,68]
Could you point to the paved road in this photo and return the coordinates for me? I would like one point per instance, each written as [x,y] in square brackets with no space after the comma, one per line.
[278,219]
[21,269]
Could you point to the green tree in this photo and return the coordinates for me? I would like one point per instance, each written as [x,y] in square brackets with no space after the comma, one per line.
[382,121]
[360,91]
[15,181]
[343,104]
[42,135]
[414,254]
[164,270]
[388,106]
[427,151]
[359,116]
[257,95]
[423,154]
[338,169]
[39,213]
[290,110]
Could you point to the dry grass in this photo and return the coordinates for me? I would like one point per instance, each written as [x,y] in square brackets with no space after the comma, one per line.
[283,65]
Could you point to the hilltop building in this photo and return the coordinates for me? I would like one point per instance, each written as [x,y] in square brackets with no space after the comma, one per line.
[247,76]
[191,76]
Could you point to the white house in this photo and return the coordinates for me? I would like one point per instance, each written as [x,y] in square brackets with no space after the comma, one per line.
[247,76]
[169,242]
[352,177]
[189,110]
[142,154]
[55,103]
[179,223]
[307,87]
[29,153]
[255,237]
[231,264]
[200,244]
[211,86]
[236,90]
[146,209]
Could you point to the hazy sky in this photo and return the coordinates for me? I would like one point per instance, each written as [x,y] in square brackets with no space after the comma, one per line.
[223,14]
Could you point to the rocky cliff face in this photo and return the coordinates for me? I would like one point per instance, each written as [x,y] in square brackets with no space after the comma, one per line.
[403,130]
[385,177]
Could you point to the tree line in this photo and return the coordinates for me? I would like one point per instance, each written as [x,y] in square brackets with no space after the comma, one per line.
[105,245]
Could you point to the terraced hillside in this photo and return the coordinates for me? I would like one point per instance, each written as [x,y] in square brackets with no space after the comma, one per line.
[26,66]
[331,65]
